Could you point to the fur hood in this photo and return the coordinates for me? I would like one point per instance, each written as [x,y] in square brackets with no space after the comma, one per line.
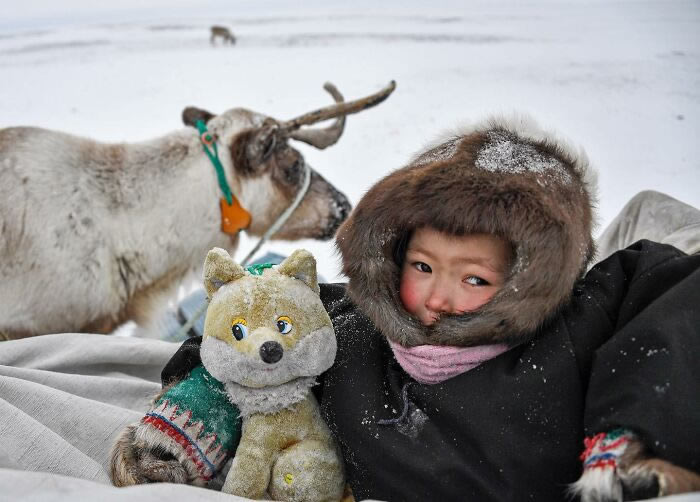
[506,177]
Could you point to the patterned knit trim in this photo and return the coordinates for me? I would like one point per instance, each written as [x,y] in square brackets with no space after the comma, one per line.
[603,451]
[205,468]
[204,451]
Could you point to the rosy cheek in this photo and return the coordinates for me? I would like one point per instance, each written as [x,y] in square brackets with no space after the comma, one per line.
[475,300]
[408,294]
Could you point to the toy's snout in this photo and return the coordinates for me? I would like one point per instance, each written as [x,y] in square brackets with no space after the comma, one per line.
[271,352]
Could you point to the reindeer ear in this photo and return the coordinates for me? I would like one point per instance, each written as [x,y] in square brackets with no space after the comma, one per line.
[219,269]
[301,265]
[192,114]
[261,144]
[251,148]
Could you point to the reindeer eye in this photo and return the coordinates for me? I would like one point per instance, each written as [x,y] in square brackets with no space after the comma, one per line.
[284,324]
[239,329]
[293,172]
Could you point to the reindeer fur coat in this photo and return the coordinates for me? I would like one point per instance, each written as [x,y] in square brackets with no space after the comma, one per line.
[588,354]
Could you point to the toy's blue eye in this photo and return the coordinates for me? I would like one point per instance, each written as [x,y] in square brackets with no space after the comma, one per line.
[284,324]
[239,329]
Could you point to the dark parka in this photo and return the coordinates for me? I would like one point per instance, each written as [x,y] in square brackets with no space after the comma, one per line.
[614,349]
[622,352]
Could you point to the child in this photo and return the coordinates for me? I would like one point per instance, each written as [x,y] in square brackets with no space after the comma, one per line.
[473,358]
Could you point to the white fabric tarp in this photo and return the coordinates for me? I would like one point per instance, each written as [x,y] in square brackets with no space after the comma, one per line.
[63,400]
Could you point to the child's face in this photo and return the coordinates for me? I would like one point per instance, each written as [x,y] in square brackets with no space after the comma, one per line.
[449,274]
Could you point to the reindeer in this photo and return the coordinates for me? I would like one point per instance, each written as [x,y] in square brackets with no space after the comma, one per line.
[95,234]
[223,33]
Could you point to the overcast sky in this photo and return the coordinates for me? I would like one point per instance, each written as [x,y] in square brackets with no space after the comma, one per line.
[37,13]
[45,8]
[23,14]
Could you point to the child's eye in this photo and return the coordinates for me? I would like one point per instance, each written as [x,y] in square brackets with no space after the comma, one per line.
[239,328]
[476,281]
[284,324]
[422,267]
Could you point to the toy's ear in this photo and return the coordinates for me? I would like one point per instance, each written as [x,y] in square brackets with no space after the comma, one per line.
[219,268]
[301,265]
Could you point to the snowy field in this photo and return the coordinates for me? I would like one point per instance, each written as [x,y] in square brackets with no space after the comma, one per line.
[620,78]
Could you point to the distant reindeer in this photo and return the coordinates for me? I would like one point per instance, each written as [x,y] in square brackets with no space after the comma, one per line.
[223,33]
[95,234]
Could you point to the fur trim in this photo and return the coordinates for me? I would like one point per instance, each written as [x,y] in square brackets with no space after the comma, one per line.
[506,177]
[267,400]
[597,485]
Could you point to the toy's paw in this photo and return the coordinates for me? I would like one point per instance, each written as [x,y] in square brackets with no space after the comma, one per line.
[246,484]
[134,463]
[309,470]
[616,469]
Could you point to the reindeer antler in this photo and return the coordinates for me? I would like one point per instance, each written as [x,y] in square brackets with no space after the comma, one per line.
[321,138]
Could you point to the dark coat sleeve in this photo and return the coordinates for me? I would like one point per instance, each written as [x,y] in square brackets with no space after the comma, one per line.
[183,361]
[332,295]
[644,373]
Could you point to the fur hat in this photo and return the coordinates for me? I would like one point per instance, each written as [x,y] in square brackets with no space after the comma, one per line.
[505,177]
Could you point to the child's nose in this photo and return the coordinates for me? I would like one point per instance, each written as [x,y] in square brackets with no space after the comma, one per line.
[439,299]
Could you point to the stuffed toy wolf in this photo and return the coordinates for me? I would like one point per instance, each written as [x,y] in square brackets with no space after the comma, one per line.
[266,338]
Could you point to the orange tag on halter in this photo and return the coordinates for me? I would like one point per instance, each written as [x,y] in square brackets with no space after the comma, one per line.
[233,218]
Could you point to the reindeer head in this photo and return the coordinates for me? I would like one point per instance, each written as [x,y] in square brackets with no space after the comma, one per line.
[267,172]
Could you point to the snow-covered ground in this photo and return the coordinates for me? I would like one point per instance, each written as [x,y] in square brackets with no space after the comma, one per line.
[620,78]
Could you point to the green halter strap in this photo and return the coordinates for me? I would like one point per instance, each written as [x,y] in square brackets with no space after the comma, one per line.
[209,144]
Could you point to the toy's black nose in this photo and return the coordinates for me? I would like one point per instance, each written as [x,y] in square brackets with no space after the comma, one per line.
[271,352]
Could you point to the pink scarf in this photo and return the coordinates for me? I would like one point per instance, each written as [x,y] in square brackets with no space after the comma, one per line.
[436,363]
